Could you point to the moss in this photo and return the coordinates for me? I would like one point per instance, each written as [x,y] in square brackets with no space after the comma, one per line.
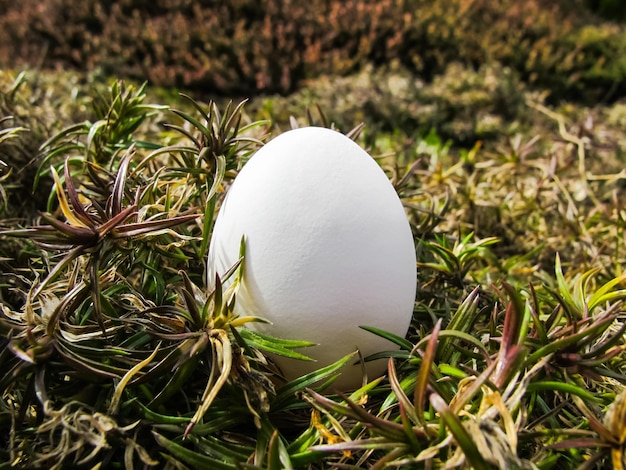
[461,105]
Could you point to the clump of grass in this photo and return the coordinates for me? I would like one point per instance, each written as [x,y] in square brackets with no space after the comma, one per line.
[116,353]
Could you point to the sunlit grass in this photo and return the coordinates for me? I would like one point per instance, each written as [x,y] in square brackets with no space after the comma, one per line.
[114,350]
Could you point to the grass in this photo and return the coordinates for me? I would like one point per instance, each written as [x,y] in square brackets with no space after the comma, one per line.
[114,352]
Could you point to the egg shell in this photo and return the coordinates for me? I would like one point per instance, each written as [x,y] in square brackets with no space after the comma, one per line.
[328,248]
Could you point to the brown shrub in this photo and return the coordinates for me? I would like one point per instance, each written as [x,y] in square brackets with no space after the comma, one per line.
[248,47]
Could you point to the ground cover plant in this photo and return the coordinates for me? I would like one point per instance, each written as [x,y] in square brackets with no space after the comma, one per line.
[229,49]
[114,353]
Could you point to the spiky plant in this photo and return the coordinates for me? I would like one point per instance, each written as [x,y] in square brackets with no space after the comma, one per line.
[104,307]
[115,353]
[32,105]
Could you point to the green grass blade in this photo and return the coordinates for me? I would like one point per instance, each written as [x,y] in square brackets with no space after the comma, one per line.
[195,459]
[401,342]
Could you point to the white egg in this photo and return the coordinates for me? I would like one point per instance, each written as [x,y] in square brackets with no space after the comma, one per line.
[328,249]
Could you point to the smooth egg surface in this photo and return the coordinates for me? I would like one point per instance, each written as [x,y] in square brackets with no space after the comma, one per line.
[328,249]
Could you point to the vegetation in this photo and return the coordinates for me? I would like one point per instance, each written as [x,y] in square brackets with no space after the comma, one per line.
[115,352]
[230,48]
[505,145]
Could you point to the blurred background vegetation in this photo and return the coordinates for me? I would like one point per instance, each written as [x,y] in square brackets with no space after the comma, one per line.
[247,47]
